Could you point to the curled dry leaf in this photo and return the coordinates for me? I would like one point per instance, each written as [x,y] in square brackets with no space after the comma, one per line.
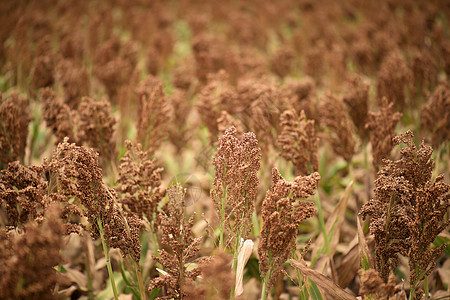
[322,282]
[364,253]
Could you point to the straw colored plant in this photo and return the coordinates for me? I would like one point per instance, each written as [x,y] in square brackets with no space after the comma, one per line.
[215,95]
[14,120]
[182,247]
[235,187]
[407,213]
[78,176]
[283,211]
[299,142]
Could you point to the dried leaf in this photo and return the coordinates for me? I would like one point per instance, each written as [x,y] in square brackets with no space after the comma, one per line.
[334,222]
[77,277]
[67,292]
[348,268]
[245,251]
[364,253]
[324,283]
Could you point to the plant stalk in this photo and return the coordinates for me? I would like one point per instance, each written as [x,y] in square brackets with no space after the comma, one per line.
[256,228]
[222,219]
[87,266]
[235,262]
[155,243]
[108,261]
[266,279]
[322,223]
[264,293]
[141,283]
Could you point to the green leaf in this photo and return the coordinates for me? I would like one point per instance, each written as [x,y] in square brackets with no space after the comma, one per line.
[303,295]
[136,294]
[365,263]
[61,269]
[364,253]
[315,292]
[399,274]
[144,238]
[252,269]
[107,293]
[441,240]
[318,279]
[125,275]
[154,293]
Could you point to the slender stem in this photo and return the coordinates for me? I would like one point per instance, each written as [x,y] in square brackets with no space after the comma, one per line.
[256,228]
[87,266]
[127,227]
[427,292]
[300,284]
[233,288]
[155,243]
[388,217]
[387,237]
[141,283]
[412,293]
[181,276]
[89,281]
[322,223]
[222,223]
[235,262]
[266,279]
[222,214]
[414,285]
[264,291]
[108,261]
[221,236]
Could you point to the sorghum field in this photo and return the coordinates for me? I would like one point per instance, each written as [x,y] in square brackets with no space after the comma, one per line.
[258,149]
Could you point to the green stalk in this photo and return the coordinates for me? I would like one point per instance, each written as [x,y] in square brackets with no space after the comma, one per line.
[221,229]
[300,283]
[136,265]
[255,221]
[266,279]
[322,223]
[415,285]
[155,243]
[233,288]
[108,261]
[141,283]
[87,266]
[427,292]
[235,261]
[222,221]
[181,277]
[412,293]
[89,281]
[386,228]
